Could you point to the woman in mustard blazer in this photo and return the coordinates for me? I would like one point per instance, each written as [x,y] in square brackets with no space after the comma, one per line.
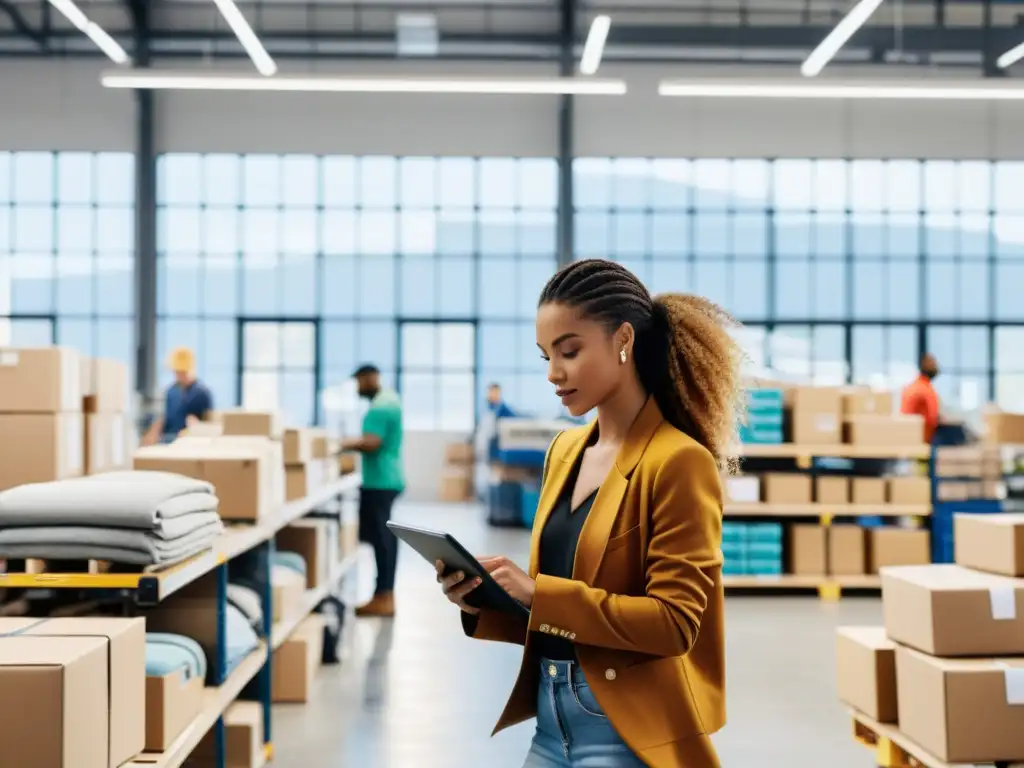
[624,647]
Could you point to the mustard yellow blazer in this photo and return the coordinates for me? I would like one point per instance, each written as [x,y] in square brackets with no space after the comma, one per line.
[645,606]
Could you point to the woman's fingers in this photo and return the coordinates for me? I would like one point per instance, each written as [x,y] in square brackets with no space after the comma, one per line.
[458,593]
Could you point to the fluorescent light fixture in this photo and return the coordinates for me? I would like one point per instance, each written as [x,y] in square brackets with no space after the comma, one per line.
[150,79]
[97,34]
[250,42]
[1011,57]
[838,37]
[593,49]
[987,90]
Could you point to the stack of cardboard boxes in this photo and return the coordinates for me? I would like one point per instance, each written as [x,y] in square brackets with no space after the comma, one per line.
[40,415]
[457,476]
[308,463]
[831,415]
[947,669]
[91,702]
[109,431]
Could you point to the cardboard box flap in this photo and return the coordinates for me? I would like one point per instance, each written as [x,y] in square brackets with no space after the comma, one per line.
[244,713]
[954,578]
[870,637]
[10,625]
[1004,519]
[21,651]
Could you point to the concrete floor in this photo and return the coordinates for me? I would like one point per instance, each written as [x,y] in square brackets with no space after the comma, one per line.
[415,693]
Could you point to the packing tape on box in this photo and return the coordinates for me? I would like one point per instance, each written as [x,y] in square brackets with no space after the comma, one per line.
[1004,603]
[1014,677]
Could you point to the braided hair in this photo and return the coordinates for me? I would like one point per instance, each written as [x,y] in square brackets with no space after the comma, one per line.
[685,356]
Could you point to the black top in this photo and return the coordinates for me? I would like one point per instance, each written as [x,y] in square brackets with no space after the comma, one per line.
[558,543]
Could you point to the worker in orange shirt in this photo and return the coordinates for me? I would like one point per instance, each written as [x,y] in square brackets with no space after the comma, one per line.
[920,397]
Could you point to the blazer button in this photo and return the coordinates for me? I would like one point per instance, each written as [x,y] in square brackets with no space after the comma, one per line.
[609,674]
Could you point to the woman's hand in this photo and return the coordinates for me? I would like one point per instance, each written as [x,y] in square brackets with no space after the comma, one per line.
[456,586]
[512,578]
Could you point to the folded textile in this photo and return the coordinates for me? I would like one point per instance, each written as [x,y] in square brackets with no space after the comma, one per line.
[247,601]
[113,544]
[241,638]
[292,561]
[166,653]
[132,499]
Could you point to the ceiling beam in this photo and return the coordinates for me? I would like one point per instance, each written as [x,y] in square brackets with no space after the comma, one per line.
[21,26]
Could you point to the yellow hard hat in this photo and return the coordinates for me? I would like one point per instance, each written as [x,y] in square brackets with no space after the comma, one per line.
[182,360]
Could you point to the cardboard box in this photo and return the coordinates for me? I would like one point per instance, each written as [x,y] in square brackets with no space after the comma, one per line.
[298,446]
[910,490]
[252,423]
[104,443]
[320,444]
[815,415]
[962,710]
[948,610]
[867,403]
[347,463]
[288,588]
[866,671]
[897,546]
[294,664]
[349,538]
[240,475]
[902,430]
[243,739]
[456,487]
[106,389]
[993,543]
[868,490]
[832,489]
[1003,428]
[54,698]
[301,480]
[44,380]
[40,447]
[743,489]
[172,703]
[847,550]
[309,539]
[786,488]
[808,549]
[459,453]
[124,641]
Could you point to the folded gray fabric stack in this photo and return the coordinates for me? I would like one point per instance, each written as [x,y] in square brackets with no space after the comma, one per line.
[137,517]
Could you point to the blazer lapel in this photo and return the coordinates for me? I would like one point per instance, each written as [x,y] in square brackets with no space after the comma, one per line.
[598,527]
[559,470]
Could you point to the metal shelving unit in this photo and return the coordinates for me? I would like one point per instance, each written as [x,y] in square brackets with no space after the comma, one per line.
[242,548]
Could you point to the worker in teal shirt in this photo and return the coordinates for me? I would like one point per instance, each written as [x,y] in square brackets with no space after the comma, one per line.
[383,481]
[186,401]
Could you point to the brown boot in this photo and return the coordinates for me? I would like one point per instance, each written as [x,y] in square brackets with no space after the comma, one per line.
[381,606]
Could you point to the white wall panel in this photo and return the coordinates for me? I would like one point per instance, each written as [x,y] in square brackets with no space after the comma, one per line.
[645,124]
[361,124]
[50,105]
[60,105]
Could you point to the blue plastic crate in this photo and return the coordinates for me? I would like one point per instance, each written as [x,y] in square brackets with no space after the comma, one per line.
[764,550]
[765,419]
[529,499]
[764,532]
[759,400]
[504,504]
[764,567]
[760,435]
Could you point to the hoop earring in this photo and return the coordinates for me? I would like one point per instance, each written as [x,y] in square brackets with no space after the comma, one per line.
[622,356]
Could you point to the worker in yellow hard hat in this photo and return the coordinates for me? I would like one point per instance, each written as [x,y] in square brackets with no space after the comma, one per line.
[187,400]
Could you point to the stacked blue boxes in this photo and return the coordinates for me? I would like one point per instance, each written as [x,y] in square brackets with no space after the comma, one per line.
[505,504]
[752,549]
[764,417]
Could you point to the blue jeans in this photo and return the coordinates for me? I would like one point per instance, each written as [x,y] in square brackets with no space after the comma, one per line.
[572,731]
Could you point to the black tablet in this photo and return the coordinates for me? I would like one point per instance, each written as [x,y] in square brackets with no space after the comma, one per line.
[435,545]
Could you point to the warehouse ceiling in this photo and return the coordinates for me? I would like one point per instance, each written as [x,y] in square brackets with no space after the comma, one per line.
[935,33]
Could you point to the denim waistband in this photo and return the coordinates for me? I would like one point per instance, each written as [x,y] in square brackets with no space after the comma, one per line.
[554,671]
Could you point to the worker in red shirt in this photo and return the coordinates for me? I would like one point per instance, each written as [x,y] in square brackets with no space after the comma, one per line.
[920,397]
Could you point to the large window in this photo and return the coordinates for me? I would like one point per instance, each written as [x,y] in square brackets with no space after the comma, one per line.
[847,269]
[66,250]
[361,247]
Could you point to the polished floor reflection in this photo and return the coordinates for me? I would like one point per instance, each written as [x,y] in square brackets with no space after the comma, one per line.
[415,693]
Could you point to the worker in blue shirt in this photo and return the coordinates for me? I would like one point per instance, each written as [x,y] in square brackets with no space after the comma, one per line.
[499,410]
[187,400]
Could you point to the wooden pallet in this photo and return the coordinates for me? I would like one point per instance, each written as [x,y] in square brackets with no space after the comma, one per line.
[894,750]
